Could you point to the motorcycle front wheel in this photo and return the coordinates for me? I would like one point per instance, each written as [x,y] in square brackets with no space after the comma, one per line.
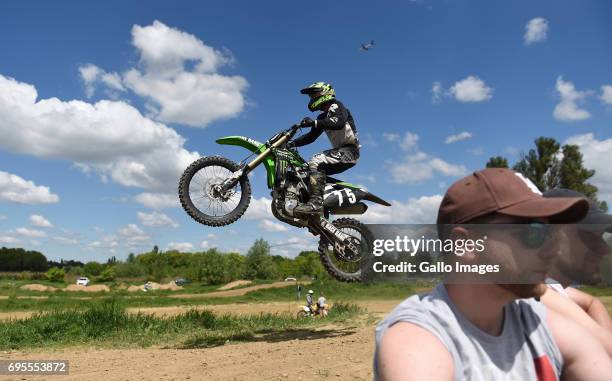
[203,199]
[302,314]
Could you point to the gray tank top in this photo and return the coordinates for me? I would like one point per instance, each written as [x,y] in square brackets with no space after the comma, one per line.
[525,350]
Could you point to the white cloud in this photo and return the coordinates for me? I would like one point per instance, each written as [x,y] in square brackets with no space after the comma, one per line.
[536,30]
[2,217]
[108,137]
[458,137]
[30,233]
[40,221]
[156,219]
[66,241]
[93,75]
[419,166]
[471,89]
[596,155]
[606,94]
[176,94]
[391,137]
[5,239]
[292,246]
[436,92]
[259,208]
[158,200]
[406,143]
[180,246]
[422,210]
[204,244]
[271,226]
[568,110]
[134,236]
[15,189]
[107,242]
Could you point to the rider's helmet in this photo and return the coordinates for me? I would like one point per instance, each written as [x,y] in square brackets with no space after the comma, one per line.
[310,292]
[319,92]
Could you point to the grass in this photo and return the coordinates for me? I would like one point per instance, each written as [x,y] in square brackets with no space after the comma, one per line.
[106,323]
[159,298]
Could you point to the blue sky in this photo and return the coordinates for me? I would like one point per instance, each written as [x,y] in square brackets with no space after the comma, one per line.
[103,105]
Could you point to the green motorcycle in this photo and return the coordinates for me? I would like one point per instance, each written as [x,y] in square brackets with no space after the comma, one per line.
[215,191]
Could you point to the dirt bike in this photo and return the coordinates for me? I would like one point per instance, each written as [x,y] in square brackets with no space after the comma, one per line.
[305,312]
[216,191]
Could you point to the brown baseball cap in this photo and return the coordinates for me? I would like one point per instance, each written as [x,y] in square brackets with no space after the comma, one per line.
[505,191]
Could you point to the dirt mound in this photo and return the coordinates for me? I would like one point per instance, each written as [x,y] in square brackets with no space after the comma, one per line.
[37,287]
[156,286]
[234,284]
[94,288]
[238,292]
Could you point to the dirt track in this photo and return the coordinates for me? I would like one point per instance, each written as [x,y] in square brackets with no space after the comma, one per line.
[340,354]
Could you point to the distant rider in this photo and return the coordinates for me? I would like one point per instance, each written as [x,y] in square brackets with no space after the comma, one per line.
[309,301]
[321,305]
[337,122]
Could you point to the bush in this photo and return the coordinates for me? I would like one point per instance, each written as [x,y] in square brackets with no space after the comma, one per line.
[108,275]
[55,274]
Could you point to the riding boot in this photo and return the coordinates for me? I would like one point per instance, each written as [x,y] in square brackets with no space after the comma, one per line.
[316,187]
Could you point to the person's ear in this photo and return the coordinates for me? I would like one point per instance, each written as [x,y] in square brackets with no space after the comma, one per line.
[463,246]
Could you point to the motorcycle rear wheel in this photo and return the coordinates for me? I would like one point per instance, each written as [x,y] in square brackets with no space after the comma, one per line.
[199,184]
[342,268]
[302,314]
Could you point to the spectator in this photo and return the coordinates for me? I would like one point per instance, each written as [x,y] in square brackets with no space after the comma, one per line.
[492,331]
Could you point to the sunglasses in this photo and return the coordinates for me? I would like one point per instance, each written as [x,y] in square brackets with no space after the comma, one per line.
[535,234]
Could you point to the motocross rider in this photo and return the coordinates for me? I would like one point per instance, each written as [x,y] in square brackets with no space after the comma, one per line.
[309,301]
[337,122]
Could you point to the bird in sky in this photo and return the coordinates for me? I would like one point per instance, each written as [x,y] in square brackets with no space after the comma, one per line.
[366,47]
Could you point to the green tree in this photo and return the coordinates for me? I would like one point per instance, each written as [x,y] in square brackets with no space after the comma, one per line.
[93,268]
[55,274]
[573,175]
[541,165]
[497,162]
[551,166]
[259,263]
[235,266]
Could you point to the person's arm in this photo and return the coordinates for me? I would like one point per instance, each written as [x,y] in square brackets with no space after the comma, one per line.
[308,137]
[592,306]
[411,353]
[567,308]
[584,359]
[335,118]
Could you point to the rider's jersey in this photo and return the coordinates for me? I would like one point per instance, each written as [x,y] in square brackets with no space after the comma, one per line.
[321,301]
[309,300]
[338,124]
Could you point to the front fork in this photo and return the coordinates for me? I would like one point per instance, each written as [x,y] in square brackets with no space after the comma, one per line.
[231,181]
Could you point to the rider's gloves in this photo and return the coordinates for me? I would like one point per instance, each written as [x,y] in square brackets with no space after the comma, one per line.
[307,122]
[290,144]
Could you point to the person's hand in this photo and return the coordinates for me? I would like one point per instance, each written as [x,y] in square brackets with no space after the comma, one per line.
[307,122]
[290,144]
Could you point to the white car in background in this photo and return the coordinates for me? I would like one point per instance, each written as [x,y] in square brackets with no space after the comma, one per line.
[83,281]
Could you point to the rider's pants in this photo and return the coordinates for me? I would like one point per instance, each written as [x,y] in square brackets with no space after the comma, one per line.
[335,160]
